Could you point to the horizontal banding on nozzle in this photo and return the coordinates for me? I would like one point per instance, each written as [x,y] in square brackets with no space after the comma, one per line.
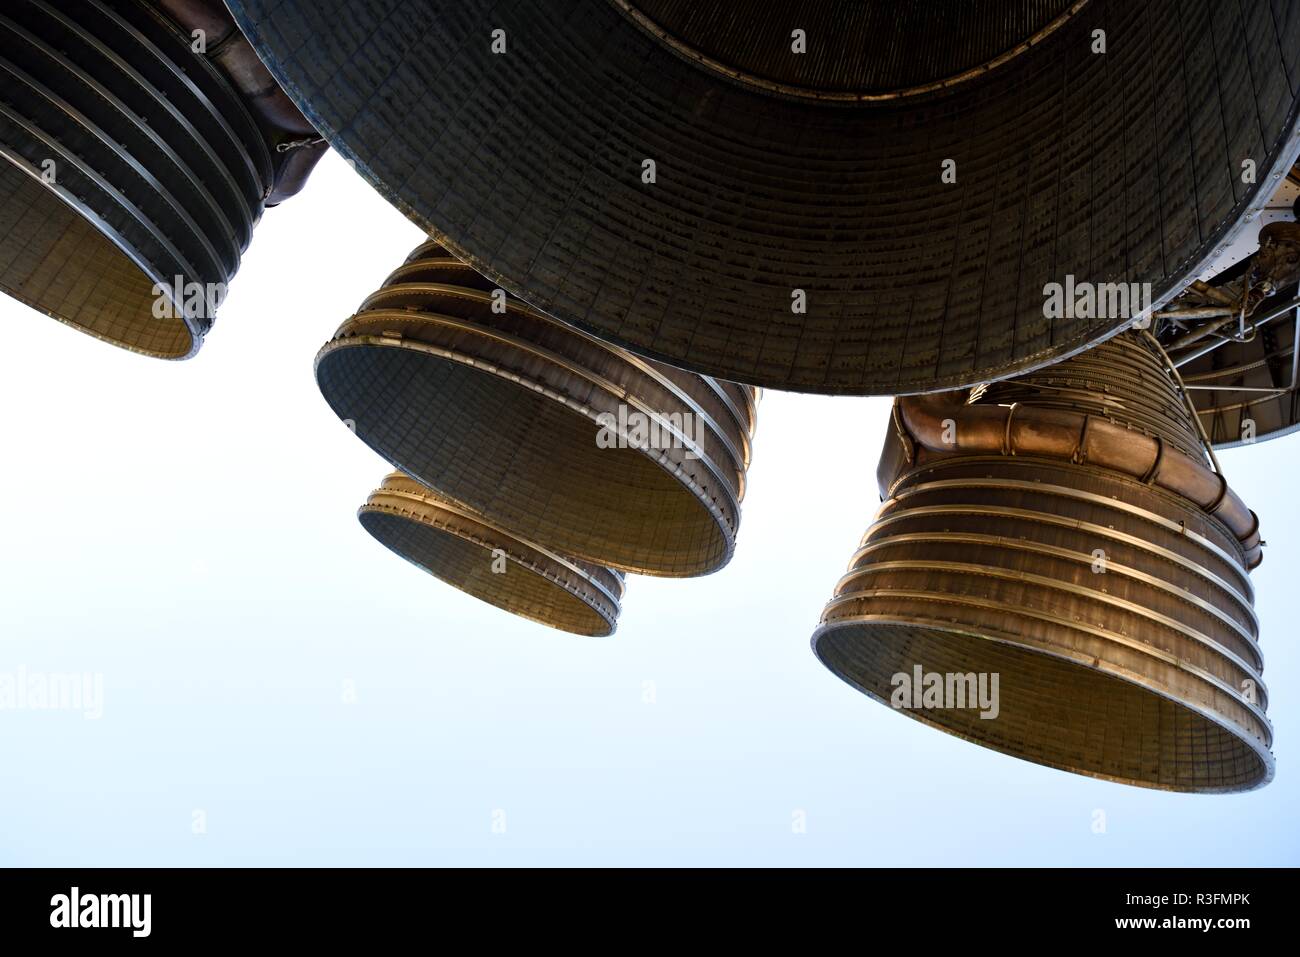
[450,542]
[1115,612]
[523,419]
[134,165]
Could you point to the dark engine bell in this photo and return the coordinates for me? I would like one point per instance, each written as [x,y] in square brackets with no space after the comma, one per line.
[140,142]
[833,197]
[1066,532]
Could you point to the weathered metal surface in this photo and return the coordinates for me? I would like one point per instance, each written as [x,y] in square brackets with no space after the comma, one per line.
[134,168]
[502,411]
[1116,613]
[856,50]
[454,544]
[529,162]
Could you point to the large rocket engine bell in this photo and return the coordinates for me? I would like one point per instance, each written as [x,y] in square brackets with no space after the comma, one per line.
[1068,532]
[825,196]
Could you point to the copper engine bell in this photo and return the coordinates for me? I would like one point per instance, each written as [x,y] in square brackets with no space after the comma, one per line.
[1066,531]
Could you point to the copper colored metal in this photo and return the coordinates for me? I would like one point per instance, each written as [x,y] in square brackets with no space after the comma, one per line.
[453,543]
[918,171]
[1044,542]
[1111,407]
[505,411]
[134,169]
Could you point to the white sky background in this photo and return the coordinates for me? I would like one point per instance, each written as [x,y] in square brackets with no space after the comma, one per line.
[188,530]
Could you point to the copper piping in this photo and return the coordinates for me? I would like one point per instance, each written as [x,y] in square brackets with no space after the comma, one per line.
[1057,434]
